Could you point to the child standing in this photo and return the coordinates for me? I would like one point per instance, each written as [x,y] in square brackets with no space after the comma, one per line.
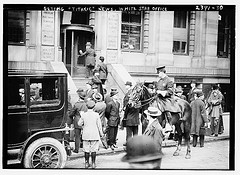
[92,131]
[199,118]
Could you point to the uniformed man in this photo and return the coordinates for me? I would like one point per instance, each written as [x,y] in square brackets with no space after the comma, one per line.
[165,92]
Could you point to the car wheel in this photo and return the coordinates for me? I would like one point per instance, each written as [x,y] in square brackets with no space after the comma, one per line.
[45,153]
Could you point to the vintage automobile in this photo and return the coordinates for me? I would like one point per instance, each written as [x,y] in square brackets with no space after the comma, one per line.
[35,129]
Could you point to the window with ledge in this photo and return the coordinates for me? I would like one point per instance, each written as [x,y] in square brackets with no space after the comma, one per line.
[223,45]
[44,92]
[131,34]
[16,27]
[180,32]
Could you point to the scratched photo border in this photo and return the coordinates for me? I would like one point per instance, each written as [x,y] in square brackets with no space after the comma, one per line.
[115,7]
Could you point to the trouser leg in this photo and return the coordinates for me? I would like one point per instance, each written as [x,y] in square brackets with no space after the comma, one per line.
[77,138]
[201,140]
[115,134]
[212,125]
[195,140]
[93,156]
[135,130]
[129,132]
[110,135]
[86,155]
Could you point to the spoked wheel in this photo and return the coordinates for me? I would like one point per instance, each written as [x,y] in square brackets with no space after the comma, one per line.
[45,153]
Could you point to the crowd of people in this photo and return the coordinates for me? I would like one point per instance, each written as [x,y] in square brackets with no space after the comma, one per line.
[96,115]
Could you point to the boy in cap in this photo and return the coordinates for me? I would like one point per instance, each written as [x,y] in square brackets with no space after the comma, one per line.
[89,59]
[76,112]
[199,118]
[92,131]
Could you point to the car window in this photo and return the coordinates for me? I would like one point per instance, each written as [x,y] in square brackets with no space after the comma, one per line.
[16,92]
[44,91]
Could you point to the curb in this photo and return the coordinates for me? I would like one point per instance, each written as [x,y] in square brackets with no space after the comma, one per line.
[168,143]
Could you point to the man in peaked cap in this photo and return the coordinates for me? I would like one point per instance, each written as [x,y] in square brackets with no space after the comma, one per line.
[165,91]
[90,61]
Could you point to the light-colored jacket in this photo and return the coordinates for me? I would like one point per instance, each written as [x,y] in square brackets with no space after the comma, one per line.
[215,100]
[91,123]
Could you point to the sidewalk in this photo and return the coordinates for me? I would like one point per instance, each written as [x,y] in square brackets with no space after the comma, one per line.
[166,143]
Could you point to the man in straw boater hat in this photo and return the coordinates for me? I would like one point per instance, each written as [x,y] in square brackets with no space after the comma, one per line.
[154,129]
[90,61]
[142,153]
[113,117]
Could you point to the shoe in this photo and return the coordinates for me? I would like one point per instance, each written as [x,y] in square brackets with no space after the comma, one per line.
[112,147]
[93,166]
[75,151]
[216,135]
[86,165]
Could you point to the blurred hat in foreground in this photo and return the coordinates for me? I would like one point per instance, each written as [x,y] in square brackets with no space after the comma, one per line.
[141,149]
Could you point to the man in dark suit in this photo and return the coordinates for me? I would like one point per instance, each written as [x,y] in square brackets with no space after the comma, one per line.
[78,108]
[103,70]
[112,114]
[131,114]
[90,61]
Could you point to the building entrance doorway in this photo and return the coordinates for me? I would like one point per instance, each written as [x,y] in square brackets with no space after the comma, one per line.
[73,39]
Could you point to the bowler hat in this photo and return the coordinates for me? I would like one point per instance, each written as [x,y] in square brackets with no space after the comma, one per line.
[94,86]
[97,96]
[88,44]
[90,83]
[101,58]
[193,81]
[199,93]
[150,86]
[161,69]
[128,83]
[178,89]
[112,93]
[141,149]
[90,104]
[152,111]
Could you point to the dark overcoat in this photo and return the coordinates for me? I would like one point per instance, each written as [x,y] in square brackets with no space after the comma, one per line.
[103,70]
[199,116]
[167,103]
[90,57]
[112,113]
[79,106]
